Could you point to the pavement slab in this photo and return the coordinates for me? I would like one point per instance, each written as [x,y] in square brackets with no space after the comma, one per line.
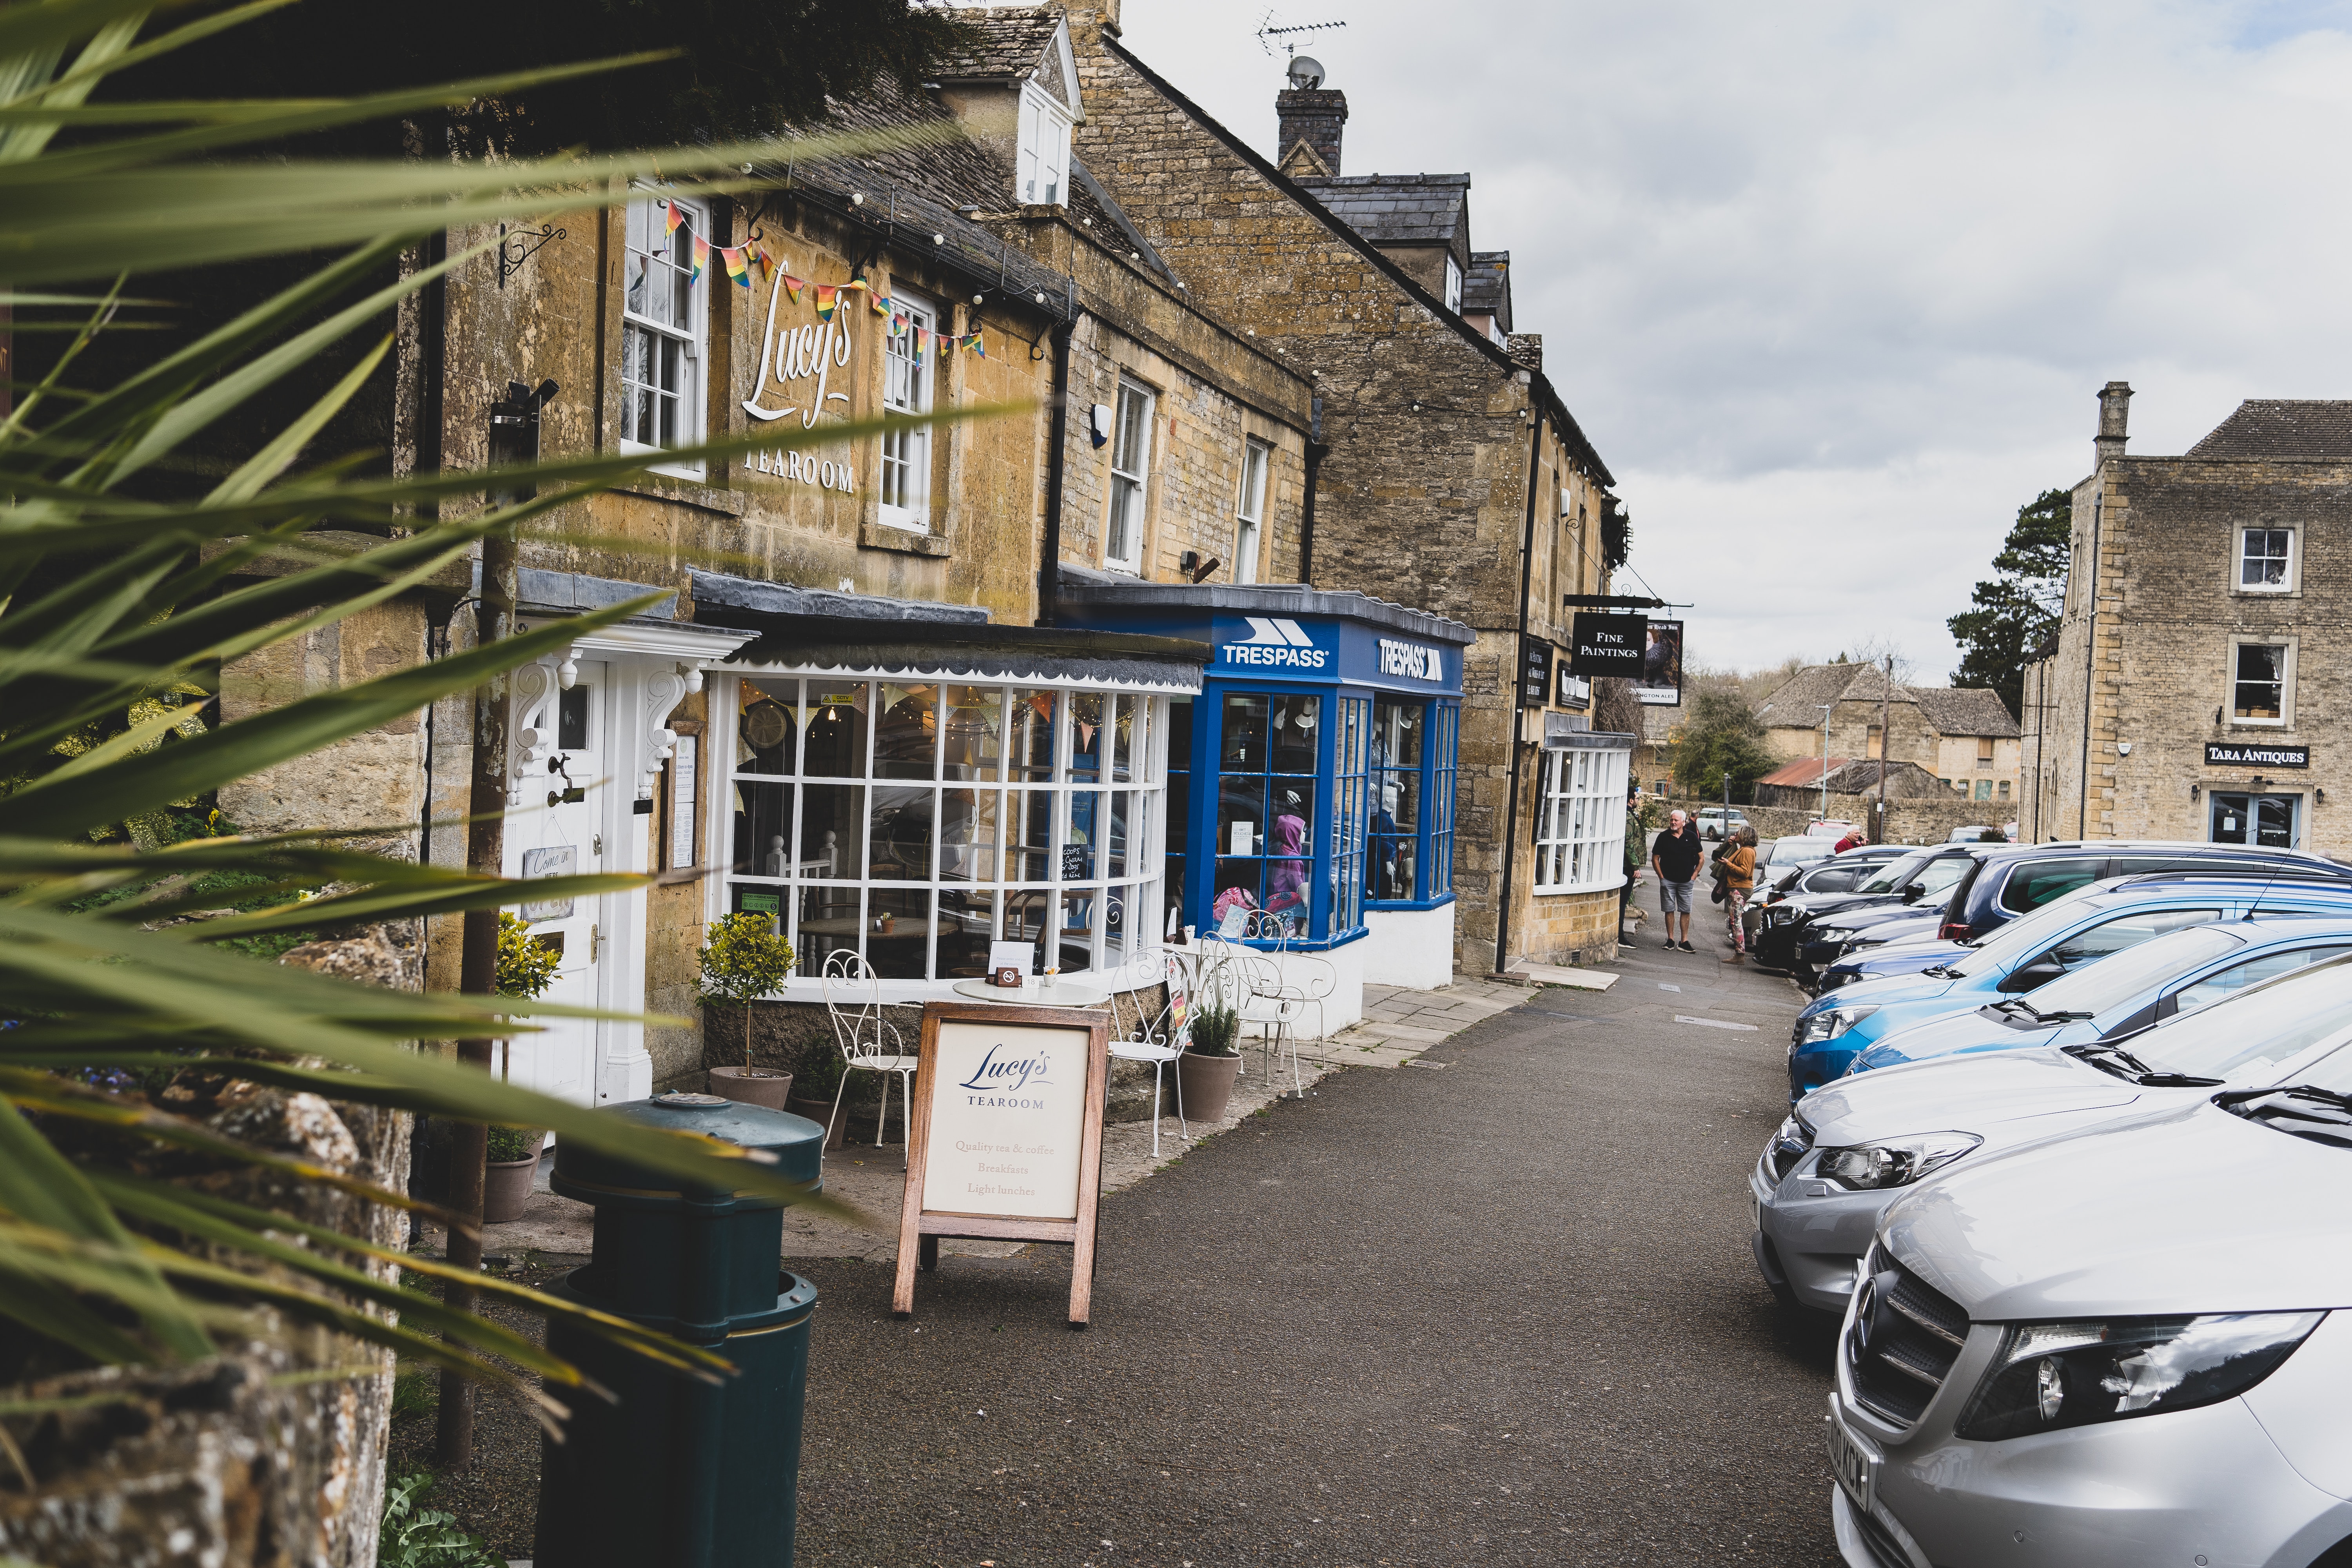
[1500,1310]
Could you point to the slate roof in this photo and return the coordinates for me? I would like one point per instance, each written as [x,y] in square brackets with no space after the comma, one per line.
[2280,428]
[1965,710]
[1398,209]
[913,191]
[1486,286]
[1948,710]
[1008,44]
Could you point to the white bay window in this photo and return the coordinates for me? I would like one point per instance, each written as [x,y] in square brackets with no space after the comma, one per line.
[1580,821]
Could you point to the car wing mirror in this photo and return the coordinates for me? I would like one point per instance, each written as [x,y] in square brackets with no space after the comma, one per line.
[2040,971]
[1912,894]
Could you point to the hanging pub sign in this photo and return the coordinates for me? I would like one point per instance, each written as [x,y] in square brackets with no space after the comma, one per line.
[1535,672]
[1610,644]
[1660,684]
[1007,1142]
[2228,754]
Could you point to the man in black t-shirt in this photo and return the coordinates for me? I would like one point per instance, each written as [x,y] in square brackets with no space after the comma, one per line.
[1676,857]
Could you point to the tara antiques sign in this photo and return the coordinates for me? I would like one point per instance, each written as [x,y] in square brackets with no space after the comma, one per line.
[2229,754]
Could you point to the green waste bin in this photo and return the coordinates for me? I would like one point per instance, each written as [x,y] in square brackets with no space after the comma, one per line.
[674,1472]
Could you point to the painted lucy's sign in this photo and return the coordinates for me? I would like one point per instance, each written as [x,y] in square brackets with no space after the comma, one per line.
[802,358]
[1007,1111]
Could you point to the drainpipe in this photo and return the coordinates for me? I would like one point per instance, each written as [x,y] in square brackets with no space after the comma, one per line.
[1049,566]
[2090,657]
[1315,450]
[1511,813]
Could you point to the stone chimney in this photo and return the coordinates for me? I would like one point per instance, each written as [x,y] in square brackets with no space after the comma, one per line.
[2114,414]
[1528,349]
[1311,121]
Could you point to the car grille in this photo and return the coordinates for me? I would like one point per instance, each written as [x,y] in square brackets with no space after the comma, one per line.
[1882,1547]
[1902,1348]
[1789,1147]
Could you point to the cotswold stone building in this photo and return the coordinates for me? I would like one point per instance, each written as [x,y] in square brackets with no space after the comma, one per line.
[2198,686]
[1961,736]
[1450,475]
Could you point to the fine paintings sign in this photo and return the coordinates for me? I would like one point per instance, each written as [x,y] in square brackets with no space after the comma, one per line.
[2253,755]
[1535,672]
[1610,644]
[1007,1136]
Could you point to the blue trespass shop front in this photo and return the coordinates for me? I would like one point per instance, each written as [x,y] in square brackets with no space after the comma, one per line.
[1314,777]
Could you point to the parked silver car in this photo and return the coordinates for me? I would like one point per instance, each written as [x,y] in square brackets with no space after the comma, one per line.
[2122,1348]
[1850,1148]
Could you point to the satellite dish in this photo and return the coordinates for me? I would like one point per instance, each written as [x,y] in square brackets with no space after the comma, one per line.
[1306,72]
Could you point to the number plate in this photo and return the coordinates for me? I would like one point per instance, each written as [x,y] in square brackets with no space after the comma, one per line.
[1852,1461]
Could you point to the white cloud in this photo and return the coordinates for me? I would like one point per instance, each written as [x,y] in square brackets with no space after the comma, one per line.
[1832,287]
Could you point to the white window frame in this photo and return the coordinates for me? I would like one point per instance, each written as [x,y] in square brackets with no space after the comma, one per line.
[905,462]
[646,219]
[2285,719]
[1135,885]
[1452,284]
[2290,582]
[1130,486]
[1258,467]
[1043,169]
[1580,821]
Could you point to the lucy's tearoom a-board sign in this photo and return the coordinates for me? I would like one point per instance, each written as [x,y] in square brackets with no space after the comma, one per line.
[1007,1137]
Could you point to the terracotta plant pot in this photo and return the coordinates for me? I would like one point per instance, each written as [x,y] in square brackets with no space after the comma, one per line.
[1208,1084]
[816,1110]
[506,1187]
[752,1086]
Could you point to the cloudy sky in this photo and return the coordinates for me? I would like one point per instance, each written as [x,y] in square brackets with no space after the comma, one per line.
[1833,285]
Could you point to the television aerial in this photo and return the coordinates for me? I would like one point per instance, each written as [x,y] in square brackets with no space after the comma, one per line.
[1268,35]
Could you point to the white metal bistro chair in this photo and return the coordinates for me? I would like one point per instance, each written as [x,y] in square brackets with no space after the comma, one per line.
[1306,978]
[1159,1040]
[869,1041]
[1251,984]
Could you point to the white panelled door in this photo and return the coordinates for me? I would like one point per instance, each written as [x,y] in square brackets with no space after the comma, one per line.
[557,830]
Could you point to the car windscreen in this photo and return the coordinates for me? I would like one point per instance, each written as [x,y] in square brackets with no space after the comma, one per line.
[2109,984]
[2268,1024]
[1940,875]
[2025,936]
[1790,851]
[1894,874]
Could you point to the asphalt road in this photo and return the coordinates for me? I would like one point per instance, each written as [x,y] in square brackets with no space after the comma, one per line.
[1499,1311]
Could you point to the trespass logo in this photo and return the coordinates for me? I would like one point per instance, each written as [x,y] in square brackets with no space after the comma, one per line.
[1276,644]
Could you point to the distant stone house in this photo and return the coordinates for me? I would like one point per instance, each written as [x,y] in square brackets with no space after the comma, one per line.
[1962,736]
[1799,785]
[2196,688]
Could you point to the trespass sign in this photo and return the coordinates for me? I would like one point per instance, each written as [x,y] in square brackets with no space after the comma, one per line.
[1274,643]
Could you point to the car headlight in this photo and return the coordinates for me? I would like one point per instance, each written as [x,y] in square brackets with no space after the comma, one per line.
[1832,933]
[2053,1375]
[1829,1022]
[1894,1162]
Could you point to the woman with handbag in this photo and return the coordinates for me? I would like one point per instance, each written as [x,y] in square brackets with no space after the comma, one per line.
[1737,864]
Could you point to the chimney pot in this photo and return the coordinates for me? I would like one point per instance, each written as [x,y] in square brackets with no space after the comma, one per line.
[1526,348]
[1315,116]
[2115,416]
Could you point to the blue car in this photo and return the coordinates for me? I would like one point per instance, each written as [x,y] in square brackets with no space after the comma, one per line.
[2100,1008]
[2057,939]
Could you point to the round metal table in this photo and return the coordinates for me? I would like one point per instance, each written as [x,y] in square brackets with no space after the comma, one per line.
[1069,992]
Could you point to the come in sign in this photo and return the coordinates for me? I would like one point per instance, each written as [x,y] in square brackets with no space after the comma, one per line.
[1007,1136]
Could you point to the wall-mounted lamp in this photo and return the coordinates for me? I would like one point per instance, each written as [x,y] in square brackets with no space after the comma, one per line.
[2194,791]
[2318,796]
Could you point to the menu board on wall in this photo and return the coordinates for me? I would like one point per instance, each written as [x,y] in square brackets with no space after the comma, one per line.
[681,802]
[1007,1135]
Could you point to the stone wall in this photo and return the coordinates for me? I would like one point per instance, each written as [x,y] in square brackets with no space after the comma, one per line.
[1908,821]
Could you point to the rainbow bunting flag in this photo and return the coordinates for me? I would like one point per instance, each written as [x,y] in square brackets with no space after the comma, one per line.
[767,264]
[826,297]
[919,335]
[792,286]
[677,216]
[971,340]
[857,283]
[701,255]
[880,302]
[897,323]
[738,263]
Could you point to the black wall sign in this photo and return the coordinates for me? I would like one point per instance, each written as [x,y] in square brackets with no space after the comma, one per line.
[2251,754]
[1535,672]
[1610,644]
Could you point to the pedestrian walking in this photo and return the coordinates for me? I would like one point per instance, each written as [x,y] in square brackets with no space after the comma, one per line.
[1675,859]
[1634,833]
[1738,860]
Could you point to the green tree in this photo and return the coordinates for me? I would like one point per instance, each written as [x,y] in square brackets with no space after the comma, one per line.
[1721,736]
[2014,613]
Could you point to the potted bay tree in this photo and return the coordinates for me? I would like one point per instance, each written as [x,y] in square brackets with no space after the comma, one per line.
[743,959]
[526,969]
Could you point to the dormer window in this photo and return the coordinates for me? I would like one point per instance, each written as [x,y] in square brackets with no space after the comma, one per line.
[1453,286]
[1045,149]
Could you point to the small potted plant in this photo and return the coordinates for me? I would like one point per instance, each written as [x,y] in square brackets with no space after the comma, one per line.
[526,968]
[743,959]
[1212,1060]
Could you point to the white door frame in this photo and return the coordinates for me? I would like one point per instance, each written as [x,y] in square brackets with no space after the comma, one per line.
[649,668]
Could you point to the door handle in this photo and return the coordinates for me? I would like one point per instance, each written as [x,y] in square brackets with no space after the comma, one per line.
[592,938]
